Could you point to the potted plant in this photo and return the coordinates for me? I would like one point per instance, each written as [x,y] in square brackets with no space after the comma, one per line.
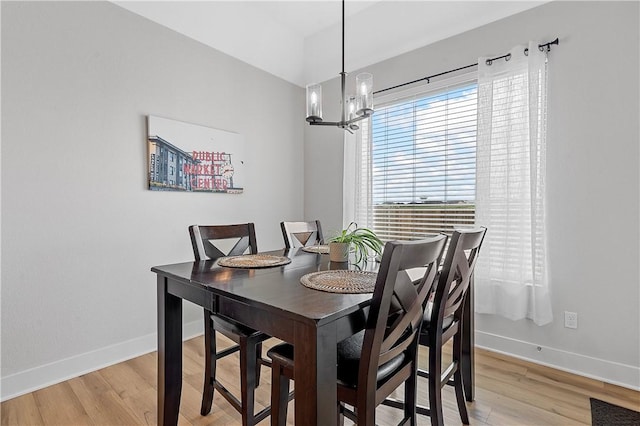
[360,240]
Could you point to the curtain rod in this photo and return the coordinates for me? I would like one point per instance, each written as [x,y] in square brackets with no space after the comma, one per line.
[541,47]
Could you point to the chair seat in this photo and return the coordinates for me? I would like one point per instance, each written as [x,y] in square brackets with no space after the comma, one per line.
[426,321]
[233,329]
[349,352]
[282,353]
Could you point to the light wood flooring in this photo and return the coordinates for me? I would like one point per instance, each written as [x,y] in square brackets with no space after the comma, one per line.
[509,392]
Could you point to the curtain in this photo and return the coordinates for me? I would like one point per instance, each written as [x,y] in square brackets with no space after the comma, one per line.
[357,177]
[351,179]
[511,276]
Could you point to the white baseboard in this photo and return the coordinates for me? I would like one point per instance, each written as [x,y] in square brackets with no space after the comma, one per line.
[49,374]
[615,373]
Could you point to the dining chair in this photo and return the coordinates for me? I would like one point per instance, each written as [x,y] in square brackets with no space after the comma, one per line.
[383,356]
[301,234]
[248,341]
[443,321]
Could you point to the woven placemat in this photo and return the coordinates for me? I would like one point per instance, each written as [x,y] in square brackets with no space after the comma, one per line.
[316,249]
[252,261]
[340,281]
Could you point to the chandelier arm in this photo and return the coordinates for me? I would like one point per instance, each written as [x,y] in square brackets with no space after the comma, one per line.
[342,124]
[356,119]
[327,123]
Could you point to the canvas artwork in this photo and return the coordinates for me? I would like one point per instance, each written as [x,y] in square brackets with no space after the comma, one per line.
[193,158]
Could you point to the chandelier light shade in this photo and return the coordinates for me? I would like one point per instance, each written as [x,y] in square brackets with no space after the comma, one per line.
[364,85]
[351,108]
[314,102]
[354,108]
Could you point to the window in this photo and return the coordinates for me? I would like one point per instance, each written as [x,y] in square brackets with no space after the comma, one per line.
[416,163]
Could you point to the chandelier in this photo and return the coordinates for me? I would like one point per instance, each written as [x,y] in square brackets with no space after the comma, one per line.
[354,108]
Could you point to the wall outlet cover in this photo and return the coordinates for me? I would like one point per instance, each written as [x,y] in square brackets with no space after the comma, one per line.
[570,319]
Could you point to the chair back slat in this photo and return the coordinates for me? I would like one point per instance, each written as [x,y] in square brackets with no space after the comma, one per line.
[396,309]
[408,297]
[241,247]
[301,234]
[203,237]
[455,277]
[211,251]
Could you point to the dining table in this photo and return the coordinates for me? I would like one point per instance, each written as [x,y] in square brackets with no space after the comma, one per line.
[272,300]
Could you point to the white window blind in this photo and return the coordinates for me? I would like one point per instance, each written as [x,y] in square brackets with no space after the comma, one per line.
[416,162]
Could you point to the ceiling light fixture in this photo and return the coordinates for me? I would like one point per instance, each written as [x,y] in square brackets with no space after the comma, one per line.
[354,108]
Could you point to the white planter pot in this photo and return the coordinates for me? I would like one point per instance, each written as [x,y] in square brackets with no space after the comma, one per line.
[339,252]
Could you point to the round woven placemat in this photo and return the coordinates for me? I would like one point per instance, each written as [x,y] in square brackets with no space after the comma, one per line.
[340,281]
[252,261]
[316,249]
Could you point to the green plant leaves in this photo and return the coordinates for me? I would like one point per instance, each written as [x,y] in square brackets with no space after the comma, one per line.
[361,240]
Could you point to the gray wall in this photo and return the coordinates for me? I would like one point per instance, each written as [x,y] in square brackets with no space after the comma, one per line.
[593,180]
[80,231]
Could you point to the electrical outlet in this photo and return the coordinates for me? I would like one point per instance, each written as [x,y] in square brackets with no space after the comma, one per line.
[570,319]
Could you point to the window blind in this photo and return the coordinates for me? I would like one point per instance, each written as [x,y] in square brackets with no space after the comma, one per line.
[417,160]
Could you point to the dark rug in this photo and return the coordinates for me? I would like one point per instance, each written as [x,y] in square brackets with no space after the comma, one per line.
[605,414]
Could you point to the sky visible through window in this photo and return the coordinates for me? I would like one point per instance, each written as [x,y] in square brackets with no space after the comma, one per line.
[424,149]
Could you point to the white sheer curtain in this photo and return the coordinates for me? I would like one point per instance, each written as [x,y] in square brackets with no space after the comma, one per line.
[351,179]
[357,177]
[511,276]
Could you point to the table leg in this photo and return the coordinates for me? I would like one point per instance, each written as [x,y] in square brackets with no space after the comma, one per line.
[169,355]
[315,374]
[468,343]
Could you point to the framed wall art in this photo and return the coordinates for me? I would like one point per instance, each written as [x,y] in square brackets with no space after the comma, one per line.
[192,158]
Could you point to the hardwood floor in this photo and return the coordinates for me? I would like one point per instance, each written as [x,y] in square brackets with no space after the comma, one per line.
[509,392]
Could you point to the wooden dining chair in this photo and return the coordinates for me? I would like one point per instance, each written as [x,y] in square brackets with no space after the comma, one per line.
[443,322]
[301,234]
[377,360]
[248,341]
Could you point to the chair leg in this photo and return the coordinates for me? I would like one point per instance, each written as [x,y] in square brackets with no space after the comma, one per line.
[279,395]
[458,382]
[247,380]
[411,396]
[462,406]
[209,364]
[258,362]
[340,414]
[435,385]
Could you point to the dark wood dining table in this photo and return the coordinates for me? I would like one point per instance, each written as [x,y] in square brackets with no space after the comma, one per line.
[271,300]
